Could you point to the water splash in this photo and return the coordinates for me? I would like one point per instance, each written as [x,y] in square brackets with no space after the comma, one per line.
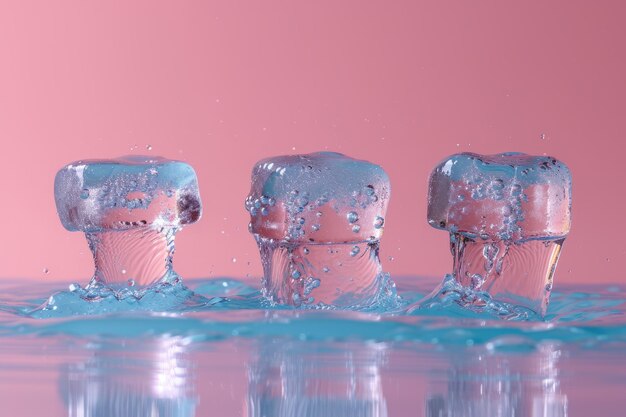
[227,308]
[99,299]
[451,295]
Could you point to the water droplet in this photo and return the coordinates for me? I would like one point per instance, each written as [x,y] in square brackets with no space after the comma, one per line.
[306,251]
[264,211]
[355,251]
[319,214]
[356,228]
[234,260]
[149,147]
[296,274]
[326,269]
[123,271]
[84,194]
[131,282]
[315,227]
[391,258]
[352,217]
[379,222]
[302,201]
[45,270]
[74,287]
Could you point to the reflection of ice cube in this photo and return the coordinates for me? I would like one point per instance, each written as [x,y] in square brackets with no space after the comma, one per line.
[508,215]
[127,192]
[130,208]
[492,383]
[295,379]
[151,381]
[317,219]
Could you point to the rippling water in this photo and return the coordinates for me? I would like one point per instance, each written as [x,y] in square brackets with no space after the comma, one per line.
[222,350]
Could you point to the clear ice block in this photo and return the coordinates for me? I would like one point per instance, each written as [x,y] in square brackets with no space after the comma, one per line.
[508,215]
[317,219]
[130,209]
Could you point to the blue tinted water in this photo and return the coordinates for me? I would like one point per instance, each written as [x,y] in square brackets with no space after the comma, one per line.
[222,350]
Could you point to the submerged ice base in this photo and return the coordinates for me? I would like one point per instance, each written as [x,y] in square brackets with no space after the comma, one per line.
[519,273]
[350,274]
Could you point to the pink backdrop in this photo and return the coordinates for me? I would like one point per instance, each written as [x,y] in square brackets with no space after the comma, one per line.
[221,85]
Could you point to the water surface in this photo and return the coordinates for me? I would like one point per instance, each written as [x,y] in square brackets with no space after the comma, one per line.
[226,352]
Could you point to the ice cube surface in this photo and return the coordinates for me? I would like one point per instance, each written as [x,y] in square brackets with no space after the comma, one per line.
[322,197]
[126,193]
[508,215]
[507,196]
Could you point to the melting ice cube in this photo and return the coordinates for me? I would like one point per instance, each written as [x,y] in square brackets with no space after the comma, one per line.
[508,215]
[317,219]
[129,208]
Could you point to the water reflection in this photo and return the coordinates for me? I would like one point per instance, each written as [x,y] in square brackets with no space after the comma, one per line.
[492,382]
[290,378]
[282,377]
[149,378]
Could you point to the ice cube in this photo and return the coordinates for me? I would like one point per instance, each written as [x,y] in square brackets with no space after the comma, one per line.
[130,208]
[319,197]
[318,219]
[507,215]
[125,193]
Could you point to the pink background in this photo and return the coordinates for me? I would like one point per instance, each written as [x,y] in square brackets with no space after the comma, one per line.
[221,85]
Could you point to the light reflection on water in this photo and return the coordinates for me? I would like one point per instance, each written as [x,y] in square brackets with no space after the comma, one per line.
[262,363]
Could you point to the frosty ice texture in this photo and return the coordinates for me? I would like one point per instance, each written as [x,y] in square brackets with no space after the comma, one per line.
[130,209]
[508,215]
[317,219]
